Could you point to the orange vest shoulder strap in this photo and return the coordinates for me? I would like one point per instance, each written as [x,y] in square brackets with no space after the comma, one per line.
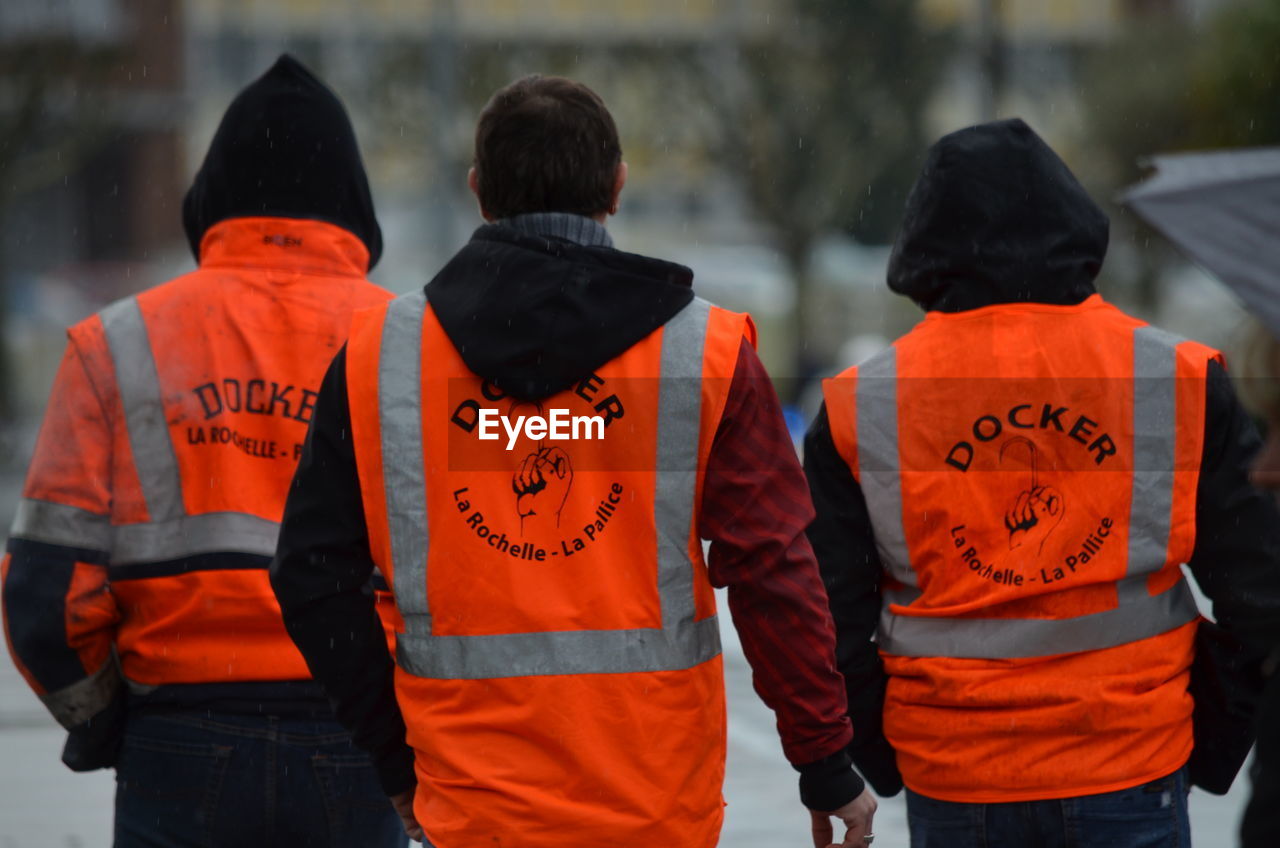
[1188,369]
[364,357]
[840,394]
[725,333]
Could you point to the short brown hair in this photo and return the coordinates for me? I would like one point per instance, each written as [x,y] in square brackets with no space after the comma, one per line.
[546,144]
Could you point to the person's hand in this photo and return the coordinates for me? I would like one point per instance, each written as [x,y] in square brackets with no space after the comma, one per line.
[403,804]
[856,815]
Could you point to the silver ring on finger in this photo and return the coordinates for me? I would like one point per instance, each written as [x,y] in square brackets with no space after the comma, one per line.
[869,838]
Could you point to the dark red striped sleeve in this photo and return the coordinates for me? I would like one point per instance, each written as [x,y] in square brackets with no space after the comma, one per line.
[755,508]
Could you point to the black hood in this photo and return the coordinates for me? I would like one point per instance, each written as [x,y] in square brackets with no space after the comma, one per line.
[997,217]
[535,315]
[285,148]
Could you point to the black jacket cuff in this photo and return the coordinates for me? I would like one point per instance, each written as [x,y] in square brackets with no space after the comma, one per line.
[95,744]
[395,770]
[829,783]
[876,761]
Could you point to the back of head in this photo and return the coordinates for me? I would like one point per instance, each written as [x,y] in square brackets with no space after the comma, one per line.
[546,144]
[997,217]
[285,148]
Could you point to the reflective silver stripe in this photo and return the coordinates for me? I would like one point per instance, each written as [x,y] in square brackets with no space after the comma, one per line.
[679,423]
[989,638]
[403,462]
[210,532]
[560,652]
[83,699]
[681,642]
[1155,422]
[879,466]
[139,385]
[59,524]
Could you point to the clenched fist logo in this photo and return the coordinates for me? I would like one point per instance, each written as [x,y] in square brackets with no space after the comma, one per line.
[1036,511]
[1033,517]
[542,483]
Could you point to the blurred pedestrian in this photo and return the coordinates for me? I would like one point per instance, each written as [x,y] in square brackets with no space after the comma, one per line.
[1258,373]
[558,674]
[1005,498]
[1219,207]
[136,592]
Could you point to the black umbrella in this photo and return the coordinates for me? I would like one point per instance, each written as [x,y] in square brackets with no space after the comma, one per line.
[1223,210]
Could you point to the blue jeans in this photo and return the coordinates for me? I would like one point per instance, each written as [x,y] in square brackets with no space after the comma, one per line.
[1153,815]
[188,780]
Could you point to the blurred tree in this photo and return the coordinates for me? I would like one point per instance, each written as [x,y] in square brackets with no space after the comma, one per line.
[1136,90]
[1136,97]
[1164,86]
[822,127]
[1235,78]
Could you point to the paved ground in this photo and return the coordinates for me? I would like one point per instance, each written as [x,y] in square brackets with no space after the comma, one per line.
[42,805]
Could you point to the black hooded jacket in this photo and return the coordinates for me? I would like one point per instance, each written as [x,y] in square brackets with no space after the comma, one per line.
[530,314]
[284,149]
[534,314]
[996,217]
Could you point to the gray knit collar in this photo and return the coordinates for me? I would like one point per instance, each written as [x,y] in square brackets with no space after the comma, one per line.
[575,228]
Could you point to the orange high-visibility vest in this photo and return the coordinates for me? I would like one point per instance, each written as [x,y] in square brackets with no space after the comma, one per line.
[1030,472]
[559,665]
[172,436]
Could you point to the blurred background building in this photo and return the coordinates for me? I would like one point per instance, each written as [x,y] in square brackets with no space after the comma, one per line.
[771,141]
